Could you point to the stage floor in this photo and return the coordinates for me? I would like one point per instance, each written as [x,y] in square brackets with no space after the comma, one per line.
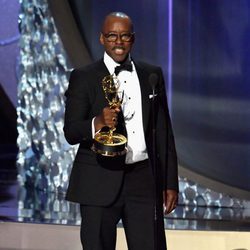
[26,211]
[31,236]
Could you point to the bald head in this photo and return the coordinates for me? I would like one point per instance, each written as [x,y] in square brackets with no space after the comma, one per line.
[117,15]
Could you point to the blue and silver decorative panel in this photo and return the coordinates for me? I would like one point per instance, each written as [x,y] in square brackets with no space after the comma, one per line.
[44,158]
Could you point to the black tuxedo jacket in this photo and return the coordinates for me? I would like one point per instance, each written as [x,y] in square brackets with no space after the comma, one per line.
[96,180]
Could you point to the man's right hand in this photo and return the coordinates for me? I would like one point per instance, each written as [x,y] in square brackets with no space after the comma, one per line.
[108,118]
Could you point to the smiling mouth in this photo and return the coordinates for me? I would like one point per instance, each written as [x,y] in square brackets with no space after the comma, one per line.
[119,50]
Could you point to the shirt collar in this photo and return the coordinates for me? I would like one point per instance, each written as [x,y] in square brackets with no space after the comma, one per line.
[111,64]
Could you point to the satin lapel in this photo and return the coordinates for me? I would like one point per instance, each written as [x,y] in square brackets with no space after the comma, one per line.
[145,91]
[101,68]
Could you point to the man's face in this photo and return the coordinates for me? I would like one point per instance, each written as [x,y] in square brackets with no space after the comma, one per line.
[117,28]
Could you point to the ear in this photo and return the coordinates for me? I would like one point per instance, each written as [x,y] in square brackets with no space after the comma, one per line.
[101,39]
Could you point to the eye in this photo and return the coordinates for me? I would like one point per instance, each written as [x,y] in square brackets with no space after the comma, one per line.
[111,36]
[126,37]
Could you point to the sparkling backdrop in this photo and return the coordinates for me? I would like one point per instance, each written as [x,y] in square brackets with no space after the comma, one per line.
[45,159]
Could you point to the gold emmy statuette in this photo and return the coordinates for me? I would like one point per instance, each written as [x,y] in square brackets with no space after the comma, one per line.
[110,143]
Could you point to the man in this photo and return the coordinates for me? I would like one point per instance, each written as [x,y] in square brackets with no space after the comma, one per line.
[123,187]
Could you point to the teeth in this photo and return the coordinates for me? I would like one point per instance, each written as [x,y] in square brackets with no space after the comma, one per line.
[118,51]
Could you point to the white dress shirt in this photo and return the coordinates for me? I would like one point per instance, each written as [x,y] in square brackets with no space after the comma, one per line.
[132,111]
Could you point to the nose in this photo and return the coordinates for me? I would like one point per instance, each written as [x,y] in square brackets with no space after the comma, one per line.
[119,40]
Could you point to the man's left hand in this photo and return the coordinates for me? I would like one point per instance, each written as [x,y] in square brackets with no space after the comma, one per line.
[170,200]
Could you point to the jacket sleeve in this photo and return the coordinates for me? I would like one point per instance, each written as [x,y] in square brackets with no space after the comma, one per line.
[167,143]
[77,123]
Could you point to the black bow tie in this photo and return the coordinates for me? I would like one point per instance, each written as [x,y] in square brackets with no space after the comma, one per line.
[125,66]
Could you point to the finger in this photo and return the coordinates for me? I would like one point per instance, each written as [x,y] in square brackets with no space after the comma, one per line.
[117,110]
[170,206]
[114,120]
[167,207]
[170,202]
[109,115]
[109,110]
